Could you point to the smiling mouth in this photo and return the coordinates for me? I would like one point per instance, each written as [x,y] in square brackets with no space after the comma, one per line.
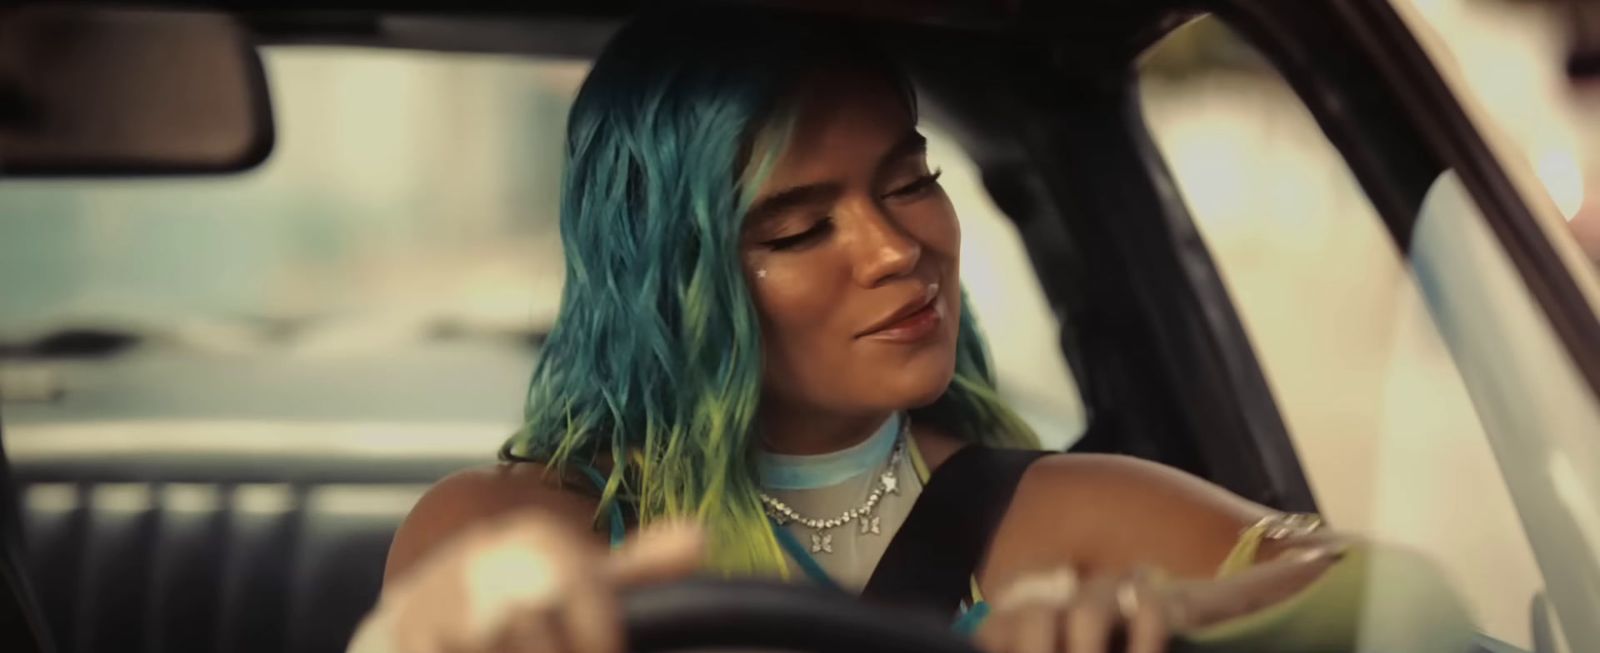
[913,322]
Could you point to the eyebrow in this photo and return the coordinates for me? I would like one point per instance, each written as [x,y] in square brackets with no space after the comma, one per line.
[789,199]
[821,193]
[912,143]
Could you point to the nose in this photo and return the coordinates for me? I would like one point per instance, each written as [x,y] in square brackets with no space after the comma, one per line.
[883,250]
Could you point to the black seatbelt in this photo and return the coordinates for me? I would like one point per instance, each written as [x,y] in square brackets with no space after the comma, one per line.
[929,563]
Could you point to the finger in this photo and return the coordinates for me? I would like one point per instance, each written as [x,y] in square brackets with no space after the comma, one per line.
[1056,587]
[1144,618]
[1034,630]
[592,620]
[1088,623]
[577,612]
[505,581]
[657,554]
[1254,588]
[535,631]
[1304,560]
[377,633]
[994,634]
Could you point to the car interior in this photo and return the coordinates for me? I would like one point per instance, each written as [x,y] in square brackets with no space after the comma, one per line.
[219,548]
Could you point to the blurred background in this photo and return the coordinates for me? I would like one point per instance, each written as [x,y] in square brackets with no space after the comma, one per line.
[1380,418]
[383,282]
[397,259]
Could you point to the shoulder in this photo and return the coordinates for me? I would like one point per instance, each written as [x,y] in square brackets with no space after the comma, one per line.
[1103,478]
[1111,512]
[1128,481]
[477,496]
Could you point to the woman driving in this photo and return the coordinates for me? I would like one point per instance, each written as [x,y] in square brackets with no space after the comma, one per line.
[764,365]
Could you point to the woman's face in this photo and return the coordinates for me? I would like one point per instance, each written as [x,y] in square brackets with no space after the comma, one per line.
[851,251]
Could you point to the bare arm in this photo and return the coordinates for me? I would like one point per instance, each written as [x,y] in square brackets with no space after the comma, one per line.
[479,496]
[1106,521]
[504,558]
[1104,514]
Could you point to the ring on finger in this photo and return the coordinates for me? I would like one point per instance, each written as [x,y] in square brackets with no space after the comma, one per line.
[1055,587]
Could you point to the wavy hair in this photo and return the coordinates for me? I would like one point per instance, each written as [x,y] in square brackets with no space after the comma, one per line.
[655,356]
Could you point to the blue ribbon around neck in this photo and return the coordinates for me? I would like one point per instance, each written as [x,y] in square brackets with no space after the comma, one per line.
[788,472]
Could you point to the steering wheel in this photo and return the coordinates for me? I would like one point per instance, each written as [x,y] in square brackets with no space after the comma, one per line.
[765,615]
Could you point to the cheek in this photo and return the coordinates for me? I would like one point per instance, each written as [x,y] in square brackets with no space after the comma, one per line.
[798,300]
[934,225]
[792,300]
[792,310]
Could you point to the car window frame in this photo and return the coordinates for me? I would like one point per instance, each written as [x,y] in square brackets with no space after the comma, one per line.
[1323,50]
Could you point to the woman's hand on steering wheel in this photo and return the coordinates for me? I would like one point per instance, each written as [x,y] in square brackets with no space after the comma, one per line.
[1055,612]
[525,582]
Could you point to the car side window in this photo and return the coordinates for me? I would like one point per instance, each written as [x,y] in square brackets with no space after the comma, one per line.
[1009,302]
[1374,402]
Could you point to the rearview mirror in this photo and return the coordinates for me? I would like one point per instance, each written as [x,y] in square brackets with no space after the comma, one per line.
[102,91]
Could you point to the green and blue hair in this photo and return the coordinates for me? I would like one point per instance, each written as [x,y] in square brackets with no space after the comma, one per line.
[655,357]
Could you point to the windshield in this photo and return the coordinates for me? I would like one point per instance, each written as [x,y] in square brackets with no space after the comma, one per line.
[347,224]
[401,240]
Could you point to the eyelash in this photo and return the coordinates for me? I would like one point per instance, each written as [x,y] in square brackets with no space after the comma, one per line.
[916,187]
[790,242]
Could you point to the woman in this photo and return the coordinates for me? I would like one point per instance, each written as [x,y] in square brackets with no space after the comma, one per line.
[763,333]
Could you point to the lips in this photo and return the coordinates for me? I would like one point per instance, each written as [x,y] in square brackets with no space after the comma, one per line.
[913,320]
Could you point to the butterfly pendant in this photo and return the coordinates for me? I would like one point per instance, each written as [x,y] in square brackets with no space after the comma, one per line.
[821,543]
[870,526]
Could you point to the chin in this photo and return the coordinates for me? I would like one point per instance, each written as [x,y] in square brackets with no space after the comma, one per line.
[922,383]
[924,400]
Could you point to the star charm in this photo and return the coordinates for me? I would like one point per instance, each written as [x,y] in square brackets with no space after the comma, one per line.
[890,483]
[870,525]
[821,543]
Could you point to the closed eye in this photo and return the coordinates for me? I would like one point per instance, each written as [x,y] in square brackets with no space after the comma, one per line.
[917,186]
[818,230]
